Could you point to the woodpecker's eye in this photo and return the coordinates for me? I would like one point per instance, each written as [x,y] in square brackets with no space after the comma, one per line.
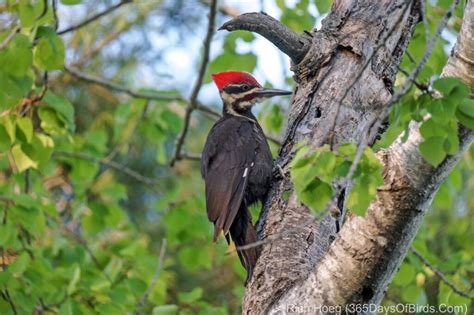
[245,87]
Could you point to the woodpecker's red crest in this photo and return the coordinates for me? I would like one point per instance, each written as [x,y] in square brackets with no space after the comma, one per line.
[224,79]
[240,90]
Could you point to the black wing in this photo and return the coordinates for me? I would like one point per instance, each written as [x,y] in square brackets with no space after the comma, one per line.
[228,156]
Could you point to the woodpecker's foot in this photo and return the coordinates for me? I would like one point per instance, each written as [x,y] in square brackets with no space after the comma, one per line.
[278,172]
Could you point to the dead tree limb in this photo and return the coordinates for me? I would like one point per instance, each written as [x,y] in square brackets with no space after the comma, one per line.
[294,45]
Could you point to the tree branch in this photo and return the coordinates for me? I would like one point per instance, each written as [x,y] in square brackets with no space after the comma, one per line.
[289,42]
[154,280]
[207,110]
[116,166]
[8,298]
[9,38]
[115,87]
[441,275]
[81,241]
[94,17]
[367,252]
[429,48]
[372,54]
[145,95]
[193,103]
[189,156]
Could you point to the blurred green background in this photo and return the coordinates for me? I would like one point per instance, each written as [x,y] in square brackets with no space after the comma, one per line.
[81,233]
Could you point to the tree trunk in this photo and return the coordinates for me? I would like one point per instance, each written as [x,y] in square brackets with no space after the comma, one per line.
[345,74]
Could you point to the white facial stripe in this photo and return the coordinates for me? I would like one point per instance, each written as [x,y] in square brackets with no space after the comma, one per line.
[245,172]
[233,106]
[245,105]
[228,98]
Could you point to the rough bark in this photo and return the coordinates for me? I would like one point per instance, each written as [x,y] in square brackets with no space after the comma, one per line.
[360,46]
[292,44]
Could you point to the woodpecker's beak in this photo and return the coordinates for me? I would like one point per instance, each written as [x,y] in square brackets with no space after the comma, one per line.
[263,92]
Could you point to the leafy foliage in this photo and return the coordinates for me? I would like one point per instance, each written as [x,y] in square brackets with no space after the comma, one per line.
[315,172]
[79,235]
[438,115]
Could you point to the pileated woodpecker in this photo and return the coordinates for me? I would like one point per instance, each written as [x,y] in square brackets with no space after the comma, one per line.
[237,163]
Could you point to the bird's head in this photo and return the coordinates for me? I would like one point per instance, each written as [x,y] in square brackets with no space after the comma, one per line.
[240,91]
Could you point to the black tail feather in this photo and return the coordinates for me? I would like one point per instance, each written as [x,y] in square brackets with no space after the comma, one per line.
[243,233]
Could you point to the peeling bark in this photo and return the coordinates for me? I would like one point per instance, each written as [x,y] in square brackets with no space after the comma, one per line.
[360,46]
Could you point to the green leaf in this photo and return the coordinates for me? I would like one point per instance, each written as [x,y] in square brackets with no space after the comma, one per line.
[63,108]
[19,265]
[348,150]
[412,294]
[432,150]
[323,5]
[192,296]
[169,309]
[27,213]
[342,168]
[9,125]
[138,286]
[27,14]
[50,122]
[74,280]
[274,120]
[281,4]
[316,195]
[458,93]
[361,195]
[22,161]
[298,19]
[195,258]
[17,57]
[405,275]
[172,121]
[441,111]
[302,157]
[447,296]
[4,139]
[49,53]
[465,120]
[467,107]
[109,309]
[451,143]
[7,234]
[430,129]
[447,84]
[70,2]
[324,166]
[100,284]
[230,43]
[13,89]
[40,148]
[67,308]
[371,162]
[44,146]
[26,127]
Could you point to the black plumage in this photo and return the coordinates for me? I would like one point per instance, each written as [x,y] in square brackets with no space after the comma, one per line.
[237,168]
[236,163]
